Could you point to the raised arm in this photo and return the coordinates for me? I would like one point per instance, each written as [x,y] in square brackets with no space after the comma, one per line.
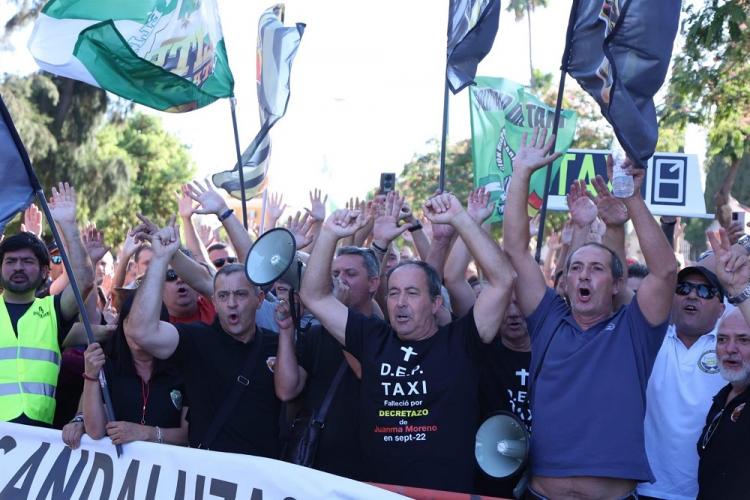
[490,307]
[94,416]
[288,376]
[657,289]
[211,202]
[530,157]
[62,204]
[732,269]
[316,290]
[185,210]
[142,325]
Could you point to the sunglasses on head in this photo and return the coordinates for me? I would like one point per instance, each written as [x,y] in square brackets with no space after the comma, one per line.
[171,275]
[701,290]
[55,259]
[224,260]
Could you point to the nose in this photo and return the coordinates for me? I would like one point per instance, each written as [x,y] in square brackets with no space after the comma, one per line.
[401,299]
[232,300]
[731,346]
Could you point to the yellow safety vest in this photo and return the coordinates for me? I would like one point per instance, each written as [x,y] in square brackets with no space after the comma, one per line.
[29,362]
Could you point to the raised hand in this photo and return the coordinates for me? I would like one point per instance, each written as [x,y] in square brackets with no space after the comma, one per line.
[479,206]
[166,241]
[300,229]
[32,221]
[442,208]
[93,241]
[206,234]
[317,208]
[283,315]
[611,210]
[144,230]
[343,223]
[580,205]
[386,228]
[639,174]
[732,267]
[532,155]
[62,204]
[93,360]
[209,199]
[275,206]
[735,231]
[185,205]
[130,245]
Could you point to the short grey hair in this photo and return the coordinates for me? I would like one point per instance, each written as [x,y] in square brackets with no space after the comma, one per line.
[371,262]
[434,285]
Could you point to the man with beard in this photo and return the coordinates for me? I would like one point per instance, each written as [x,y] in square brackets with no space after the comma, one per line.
[684,378]
[590,362]
[724,445]
[356,275]
[31,330]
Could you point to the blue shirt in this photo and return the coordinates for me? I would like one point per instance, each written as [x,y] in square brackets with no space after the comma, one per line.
[589,399]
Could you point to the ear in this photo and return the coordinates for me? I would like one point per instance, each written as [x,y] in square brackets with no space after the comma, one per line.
[374,283]
[261,297]
[617,286]
[437,303]
[44,272]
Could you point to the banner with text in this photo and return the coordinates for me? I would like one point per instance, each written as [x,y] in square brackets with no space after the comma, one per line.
[672,185]
[37,464]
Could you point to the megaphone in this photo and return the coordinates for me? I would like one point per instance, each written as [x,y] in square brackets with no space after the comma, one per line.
[273,257]
[502,445]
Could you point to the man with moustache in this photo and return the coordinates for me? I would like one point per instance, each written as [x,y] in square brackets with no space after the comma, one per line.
[684,378]
[32,329]
[212,357]
[724,444]
[590,362]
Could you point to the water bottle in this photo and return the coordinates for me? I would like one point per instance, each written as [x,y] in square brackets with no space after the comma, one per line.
[622,183]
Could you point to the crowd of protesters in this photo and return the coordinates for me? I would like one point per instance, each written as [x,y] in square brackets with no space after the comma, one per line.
[404,335]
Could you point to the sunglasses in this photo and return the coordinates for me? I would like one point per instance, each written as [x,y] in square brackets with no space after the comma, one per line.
[55,259]
[701,290]
[171,275]
[711,429]
[224,260]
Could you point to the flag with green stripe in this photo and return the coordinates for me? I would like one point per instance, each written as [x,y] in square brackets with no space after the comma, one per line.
[165,54]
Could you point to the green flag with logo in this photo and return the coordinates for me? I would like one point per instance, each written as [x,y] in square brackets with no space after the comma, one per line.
[165,54]
[501,111]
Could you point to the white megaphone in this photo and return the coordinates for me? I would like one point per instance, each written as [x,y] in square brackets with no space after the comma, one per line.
[274,257]
[502,445]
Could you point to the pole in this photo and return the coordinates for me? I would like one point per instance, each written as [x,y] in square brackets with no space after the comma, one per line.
[555,125]
[262,227]
[444,138]
[233,103]
[108,408]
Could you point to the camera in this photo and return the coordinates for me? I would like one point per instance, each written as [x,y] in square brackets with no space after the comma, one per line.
[387,182]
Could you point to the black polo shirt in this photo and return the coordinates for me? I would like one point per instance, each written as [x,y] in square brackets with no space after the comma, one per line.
[210,360]
[725,462]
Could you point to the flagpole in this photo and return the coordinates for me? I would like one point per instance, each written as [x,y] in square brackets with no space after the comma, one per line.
[232,104]
[262,225]
[555,125]
[108,408]
[441,184]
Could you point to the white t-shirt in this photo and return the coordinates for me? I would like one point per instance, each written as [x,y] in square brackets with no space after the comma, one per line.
[680,390]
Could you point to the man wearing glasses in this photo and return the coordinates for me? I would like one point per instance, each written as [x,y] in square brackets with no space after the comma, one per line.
[214,358]
[219,255]
[724,444]
[684,379]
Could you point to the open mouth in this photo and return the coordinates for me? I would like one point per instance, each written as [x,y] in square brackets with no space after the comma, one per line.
[584,294]
[233,318]
[182,291]
[731,364]
[402,317]
[690,308]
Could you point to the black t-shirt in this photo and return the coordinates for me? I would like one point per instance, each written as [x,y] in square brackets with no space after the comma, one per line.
[339,450]
[725,463]
[16,311]
[210,361]
[419,403]
[163,397]
[504,381]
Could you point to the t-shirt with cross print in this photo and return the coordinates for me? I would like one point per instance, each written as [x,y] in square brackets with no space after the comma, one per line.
[419,403]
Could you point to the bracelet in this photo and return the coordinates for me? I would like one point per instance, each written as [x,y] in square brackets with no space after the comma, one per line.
[378,248]
[416,227]
[93,379]
[77,419]
[158,434]
[226,214]
[741,297]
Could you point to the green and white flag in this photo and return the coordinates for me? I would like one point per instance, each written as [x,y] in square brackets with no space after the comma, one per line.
[165,54]
[501,111]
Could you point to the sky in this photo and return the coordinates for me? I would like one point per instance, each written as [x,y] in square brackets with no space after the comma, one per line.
[366,89]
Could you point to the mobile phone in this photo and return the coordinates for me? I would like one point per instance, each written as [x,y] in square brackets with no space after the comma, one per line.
[739,217]
[387,182]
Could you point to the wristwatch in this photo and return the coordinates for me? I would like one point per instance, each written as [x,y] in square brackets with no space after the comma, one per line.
[744,242]
[741,297]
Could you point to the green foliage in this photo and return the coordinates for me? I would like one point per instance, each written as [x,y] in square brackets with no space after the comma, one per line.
[520,7]
[119,163]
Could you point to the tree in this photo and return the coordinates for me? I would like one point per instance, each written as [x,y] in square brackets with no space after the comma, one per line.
[523,8]
[119,163]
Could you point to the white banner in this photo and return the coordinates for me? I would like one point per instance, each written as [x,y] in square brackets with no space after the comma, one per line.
[672,185]
[36,464]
